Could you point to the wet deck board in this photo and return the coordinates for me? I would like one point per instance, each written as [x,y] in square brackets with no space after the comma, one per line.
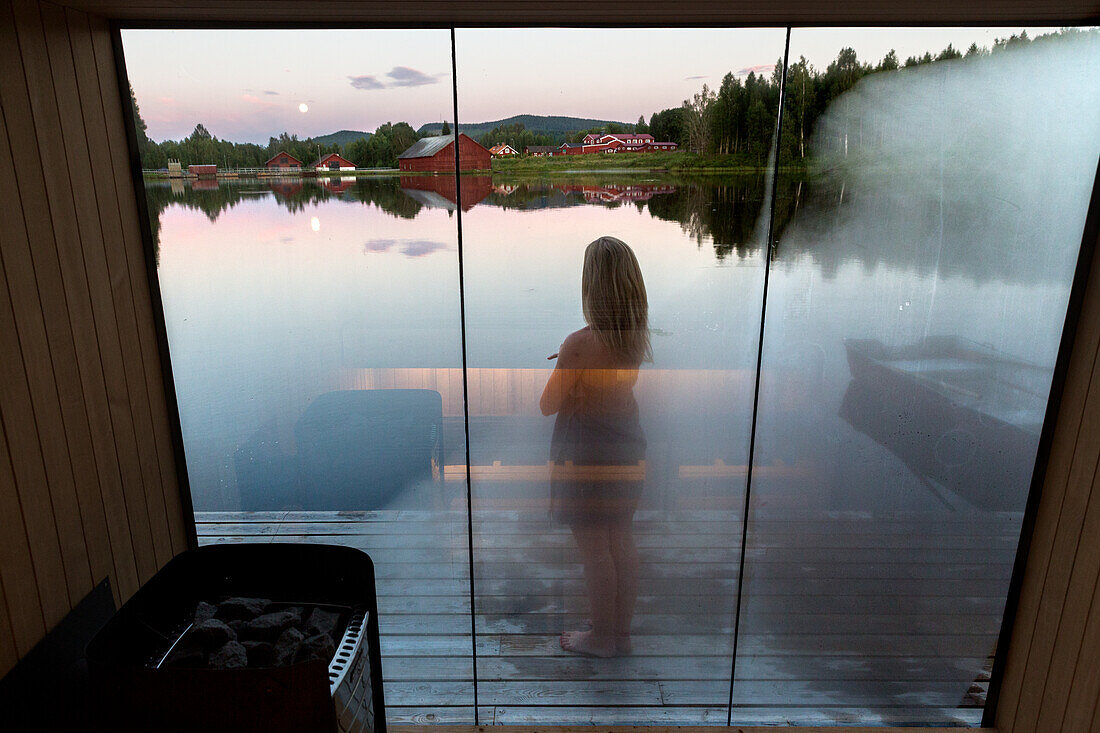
[847,619]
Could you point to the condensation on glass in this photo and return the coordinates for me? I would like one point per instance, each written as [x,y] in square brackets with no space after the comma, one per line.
[927,219]
[920,280]
[607,499]
[313,319]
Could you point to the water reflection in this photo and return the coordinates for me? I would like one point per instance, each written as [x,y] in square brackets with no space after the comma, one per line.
[819,214]
[717,210]
[440,191]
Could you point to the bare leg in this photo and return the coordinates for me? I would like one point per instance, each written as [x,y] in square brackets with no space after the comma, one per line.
[624,552]
[599,576]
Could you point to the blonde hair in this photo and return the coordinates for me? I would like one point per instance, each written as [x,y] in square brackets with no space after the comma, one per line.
[613,298]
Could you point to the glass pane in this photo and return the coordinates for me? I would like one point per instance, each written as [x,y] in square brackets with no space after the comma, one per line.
[649,457]
[929,220]
[312,308]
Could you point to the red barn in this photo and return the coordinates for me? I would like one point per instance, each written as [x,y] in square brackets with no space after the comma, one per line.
[437,154]
[203,170]
[283,160]
[333,162]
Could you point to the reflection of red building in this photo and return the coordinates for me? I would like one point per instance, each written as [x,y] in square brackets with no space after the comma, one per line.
[286,189]
[439,191]
[437,154]
[337,185]
[204,184]
[618,192]
[283,161]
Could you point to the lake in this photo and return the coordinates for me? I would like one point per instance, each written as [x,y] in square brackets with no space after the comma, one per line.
[277,291]
[908,346]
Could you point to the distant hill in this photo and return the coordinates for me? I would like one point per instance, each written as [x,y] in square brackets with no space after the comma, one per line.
[557,126]
[343,137]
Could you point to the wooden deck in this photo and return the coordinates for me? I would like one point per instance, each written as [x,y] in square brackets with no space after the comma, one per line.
[849,618]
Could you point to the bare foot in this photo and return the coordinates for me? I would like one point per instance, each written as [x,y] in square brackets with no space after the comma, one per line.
[623,647]
[586,642]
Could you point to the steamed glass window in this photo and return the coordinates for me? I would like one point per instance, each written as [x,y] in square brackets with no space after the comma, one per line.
[609,482]
[929,212]
[312,311]
[751,331]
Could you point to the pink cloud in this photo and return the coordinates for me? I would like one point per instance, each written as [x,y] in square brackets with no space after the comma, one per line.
[758,69]
[254,100]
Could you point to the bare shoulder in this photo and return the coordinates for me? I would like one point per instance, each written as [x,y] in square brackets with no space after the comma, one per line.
[576,347]
[579,339]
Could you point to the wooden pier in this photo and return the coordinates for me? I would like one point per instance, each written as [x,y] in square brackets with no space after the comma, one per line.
[848,617]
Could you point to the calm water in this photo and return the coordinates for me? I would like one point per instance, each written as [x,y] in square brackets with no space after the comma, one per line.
[279,291]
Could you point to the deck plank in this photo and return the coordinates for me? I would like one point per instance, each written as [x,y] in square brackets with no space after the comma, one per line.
[854,616]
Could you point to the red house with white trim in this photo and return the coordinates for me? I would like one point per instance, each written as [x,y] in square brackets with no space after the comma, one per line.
[333,162]
[502,151]
[623,142]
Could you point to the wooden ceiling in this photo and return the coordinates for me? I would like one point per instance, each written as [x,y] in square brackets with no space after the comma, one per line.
[606,13]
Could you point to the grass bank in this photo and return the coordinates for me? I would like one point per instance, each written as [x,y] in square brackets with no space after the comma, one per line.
[657,161]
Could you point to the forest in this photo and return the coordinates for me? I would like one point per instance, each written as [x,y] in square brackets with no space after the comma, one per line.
[735,119]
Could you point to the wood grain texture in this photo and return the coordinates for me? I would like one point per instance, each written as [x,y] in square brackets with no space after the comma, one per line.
[158,440]
[23,607]
[615,13]
[1046,682]
[87,472]
[57,405]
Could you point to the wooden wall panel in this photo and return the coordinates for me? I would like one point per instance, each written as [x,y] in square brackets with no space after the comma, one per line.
[22,603]
[608,13]
[23,332]
[1051,680]
[87,472]
[133,252]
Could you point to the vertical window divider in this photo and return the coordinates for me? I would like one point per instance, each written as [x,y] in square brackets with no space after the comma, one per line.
[768,248]
[465,375]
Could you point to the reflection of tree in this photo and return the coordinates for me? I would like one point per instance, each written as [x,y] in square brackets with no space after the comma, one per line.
[833,219]
[294,194]
[723,209]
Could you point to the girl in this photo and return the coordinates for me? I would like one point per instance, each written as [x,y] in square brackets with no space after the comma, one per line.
[598,448]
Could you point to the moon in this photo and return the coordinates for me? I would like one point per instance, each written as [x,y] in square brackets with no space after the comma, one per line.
[303,107]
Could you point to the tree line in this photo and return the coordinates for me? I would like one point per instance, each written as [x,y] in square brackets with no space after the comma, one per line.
[737,118]
[380,150]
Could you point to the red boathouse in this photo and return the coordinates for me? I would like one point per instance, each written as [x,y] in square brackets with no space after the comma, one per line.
[333,162]
[203,170]
[437,154]
[283,161]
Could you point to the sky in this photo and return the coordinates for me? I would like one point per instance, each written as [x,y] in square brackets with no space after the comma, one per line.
[249,85]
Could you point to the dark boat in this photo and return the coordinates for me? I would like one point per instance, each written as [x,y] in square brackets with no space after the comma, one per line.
[962,416]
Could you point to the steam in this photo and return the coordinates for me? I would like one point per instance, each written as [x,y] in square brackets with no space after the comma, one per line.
[980,166]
